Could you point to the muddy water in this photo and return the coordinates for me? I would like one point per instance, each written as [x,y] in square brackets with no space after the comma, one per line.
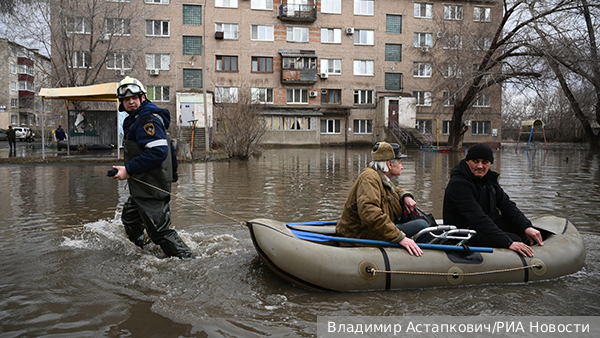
[67,269]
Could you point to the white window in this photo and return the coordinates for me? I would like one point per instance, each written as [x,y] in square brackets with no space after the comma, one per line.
[78,25]
[262,32]
[13,85]
[331,126]
[331,35]
[226,3]
[454,41]
[363,67]
[363,97]
[299,62]
[363,127]
[331,6]
[14,103]
[446,127]
[13,69]
[483,100]
[158,93]
[262,4]
[118,26]
[449,99]
[480,127]
[422,69]
[482,43]
[118,61]
[331,66]
[297,95]
[453,12]
[422,39]
[226,94]
[297,34]
[364,37]
[423,98]
[157,28]
[423,10]
[81,59]
[230,30]
[155,2]
[26,85]
[363,7]
[262,95]
[482,14]
[158,61]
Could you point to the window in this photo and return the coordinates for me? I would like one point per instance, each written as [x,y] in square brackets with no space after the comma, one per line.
[118,26]
[449,99]
[480,127]
[454,41]
[81,59]
[331,6]
[192,15]
[157,28]
[230,30]
[331,95]
[297,34]
[226,95]
[298,95]
[157,1]
[393,81]
[262,95]
[262,33]
[289,123]
[423,39]
[363,67]
[423,98]
[363,127]
[227,63]
[452,70]
[482,43]
[483,100]
[331,66]
[363,97]
[262,64]
[78,25]
[393,24]
[26,85]
[226,3]
[192,78]
[331,126]
[158,93]
[262,4]
[13,69]
[14,103]
[363,7]
[421,69]
[453,12]
[446,126]
[118,61]
[482,14]
[13,85]
[393,52]
[299,62]
[331,35]
[192,45]
[423,10]
[364,37]
[158,61]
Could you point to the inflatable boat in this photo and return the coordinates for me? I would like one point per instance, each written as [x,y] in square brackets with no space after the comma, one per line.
[309,255]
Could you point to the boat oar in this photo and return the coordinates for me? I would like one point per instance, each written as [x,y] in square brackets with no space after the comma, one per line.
[311,236]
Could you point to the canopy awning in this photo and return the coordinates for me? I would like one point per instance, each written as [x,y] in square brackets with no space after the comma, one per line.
[100,92]
[532,123]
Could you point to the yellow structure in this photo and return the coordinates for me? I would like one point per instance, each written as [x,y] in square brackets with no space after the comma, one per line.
[532,127]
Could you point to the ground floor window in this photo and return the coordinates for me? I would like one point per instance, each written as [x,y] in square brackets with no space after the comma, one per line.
[480,127]
[363,127]
[424,126]
[158,93]
[289,123]
[446,126]
[331,126]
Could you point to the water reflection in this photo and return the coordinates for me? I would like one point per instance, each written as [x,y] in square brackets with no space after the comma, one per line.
[67,267]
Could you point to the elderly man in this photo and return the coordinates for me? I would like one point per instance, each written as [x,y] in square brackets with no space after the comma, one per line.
[375,206]
[475,200]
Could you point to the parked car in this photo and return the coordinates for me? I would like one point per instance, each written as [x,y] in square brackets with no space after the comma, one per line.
[21,132]
[3,135]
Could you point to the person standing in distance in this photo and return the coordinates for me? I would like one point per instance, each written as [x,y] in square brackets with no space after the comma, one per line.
[148,158]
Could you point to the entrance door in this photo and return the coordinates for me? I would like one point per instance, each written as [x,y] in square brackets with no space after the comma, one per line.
[393,111]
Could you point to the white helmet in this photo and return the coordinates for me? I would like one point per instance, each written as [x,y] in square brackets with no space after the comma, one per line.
[130,87]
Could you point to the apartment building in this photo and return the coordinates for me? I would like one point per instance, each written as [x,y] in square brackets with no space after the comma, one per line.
[326,71]
[23,74]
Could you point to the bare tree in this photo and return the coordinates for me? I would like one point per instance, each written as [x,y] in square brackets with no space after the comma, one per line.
[240,122]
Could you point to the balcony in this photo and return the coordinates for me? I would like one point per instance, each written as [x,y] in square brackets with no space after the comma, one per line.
[297,12]
[298,66]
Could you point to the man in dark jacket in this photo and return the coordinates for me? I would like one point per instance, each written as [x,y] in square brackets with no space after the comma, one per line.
[475,200]
[12,137]
[148,158]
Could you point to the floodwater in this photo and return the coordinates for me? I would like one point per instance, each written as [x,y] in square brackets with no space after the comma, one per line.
[68,270]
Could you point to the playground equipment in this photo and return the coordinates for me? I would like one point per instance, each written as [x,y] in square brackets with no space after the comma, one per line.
[532,127]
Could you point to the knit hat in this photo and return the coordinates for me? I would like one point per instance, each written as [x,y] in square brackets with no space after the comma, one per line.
[383,151]
[480,151]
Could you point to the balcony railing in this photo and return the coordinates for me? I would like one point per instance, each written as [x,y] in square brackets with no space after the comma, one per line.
[298,12]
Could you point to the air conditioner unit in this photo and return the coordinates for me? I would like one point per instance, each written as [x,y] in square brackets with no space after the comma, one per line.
[324,75]
[323,91]
[349,30]
[120,72]
[467,123]
[424,49]
[219,35]
[313,93]
[440,35]
[154,71]
[104,37]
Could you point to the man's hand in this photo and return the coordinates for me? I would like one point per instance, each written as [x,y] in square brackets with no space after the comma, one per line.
[122,173]
[521,248]
[534,236]
[410,205]
[411,246]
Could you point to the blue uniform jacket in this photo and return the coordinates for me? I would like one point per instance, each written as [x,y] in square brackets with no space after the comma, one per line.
[147,126]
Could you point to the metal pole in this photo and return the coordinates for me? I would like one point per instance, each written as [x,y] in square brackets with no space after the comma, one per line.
[43,140]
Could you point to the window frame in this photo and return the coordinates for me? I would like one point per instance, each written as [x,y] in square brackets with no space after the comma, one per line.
[152,24]
[479,128]
[368,6]
[124,58]
[256,95]
[151,93]
[482,101]
[364,67]
[267,59]
[297,30]
[232,95]
[268,32]
[422,39]
[331,96]
[453,12]
[331,126]
[336,32]
[482,12]
[369,36]
[361,124]
[124,23]
[327,4]
[226,63]
[221,4]
[302,94]
[423,98]
[325,68]
[232,31]
[422,69]
[420,7]
[363,97]
[161,60]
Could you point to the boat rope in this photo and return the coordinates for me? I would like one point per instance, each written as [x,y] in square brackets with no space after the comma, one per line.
[194,203]
[455,274]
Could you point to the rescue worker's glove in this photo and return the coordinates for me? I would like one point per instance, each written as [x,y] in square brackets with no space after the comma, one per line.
[112,172]
[175,177]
